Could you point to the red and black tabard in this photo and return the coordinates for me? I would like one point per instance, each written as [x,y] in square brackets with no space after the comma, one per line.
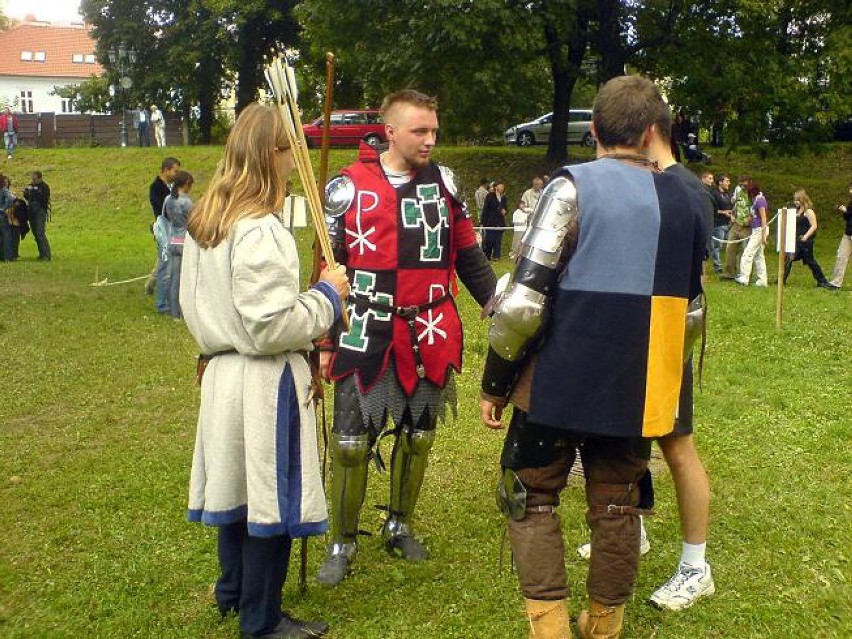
[400,247]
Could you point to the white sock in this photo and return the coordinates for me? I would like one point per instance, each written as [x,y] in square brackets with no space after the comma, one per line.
[693,554]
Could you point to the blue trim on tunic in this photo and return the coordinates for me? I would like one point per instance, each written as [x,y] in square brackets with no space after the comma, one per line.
[288,461]
[217,517]
[330,292]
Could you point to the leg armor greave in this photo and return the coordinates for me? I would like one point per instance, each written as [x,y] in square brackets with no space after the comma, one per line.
[349,459]
[408,468]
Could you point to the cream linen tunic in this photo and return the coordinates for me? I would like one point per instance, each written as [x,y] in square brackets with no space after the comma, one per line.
[243,296]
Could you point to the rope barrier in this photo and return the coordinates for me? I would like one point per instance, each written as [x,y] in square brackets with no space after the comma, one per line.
[512,228]
[106,282]
[743,239]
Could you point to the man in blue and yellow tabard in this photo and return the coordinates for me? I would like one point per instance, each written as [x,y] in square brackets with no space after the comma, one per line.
[399,226]
[589,342]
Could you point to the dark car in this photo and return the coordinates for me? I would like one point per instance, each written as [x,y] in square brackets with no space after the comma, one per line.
[348,128]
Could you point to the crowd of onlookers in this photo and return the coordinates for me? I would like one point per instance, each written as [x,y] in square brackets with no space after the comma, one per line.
[741,222]
[24,214]
[171,205]
[492,205]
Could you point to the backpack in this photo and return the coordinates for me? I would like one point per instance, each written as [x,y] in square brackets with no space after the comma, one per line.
[742,207]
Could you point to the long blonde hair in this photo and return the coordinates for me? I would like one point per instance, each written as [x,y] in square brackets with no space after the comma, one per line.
[249,180]
[801,196]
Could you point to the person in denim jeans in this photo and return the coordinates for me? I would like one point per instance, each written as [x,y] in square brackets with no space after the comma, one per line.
[157,194]
[723,210]
[9,126]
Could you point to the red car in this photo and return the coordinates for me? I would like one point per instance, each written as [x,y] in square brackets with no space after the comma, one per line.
[348,128]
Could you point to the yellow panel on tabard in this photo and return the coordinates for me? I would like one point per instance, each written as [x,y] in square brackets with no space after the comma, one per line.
[665,365]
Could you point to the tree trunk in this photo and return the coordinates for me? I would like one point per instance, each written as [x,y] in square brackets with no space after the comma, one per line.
[565,67]
[610,46]
[208,94]
[249,64]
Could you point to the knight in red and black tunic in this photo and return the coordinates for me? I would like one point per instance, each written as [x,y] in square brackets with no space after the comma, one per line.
[404,238]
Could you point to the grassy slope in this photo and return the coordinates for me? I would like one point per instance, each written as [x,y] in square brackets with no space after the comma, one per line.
[98,410]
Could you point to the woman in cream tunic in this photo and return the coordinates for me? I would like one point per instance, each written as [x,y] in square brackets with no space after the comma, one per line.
[255,471]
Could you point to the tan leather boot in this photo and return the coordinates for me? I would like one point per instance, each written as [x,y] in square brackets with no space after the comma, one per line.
[548,619]
[600,621]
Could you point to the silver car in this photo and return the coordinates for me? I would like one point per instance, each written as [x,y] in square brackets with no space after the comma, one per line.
[538,131]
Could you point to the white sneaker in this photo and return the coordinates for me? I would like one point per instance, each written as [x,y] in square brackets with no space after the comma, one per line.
[687,586]
[585,551]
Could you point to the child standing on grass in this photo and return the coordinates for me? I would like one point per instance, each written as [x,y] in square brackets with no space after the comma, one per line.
[255,471]
[176,208]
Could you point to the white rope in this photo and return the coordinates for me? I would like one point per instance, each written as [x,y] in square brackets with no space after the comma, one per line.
[743,239]
[512,228]
[106,282]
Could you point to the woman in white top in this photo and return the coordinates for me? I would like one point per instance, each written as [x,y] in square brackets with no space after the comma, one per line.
[255,471]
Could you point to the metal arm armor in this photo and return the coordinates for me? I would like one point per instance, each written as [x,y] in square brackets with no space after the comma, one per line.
[521,310]
[339,195]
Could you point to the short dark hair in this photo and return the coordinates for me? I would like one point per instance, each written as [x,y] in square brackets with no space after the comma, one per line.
[483,181]
[720,177]
[168,163]
[37,174]
[625,107]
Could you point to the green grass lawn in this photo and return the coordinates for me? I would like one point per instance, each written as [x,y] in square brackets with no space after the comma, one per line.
[97,423]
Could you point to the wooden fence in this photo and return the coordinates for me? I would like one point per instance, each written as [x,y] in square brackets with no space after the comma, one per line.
[49,130]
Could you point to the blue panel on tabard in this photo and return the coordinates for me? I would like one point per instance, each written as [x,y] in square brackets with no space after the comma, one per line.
[619,228]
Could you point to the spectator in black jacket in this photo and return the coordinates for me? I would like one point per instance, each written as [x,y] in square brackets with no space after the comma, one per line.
[37,195]
[494,217]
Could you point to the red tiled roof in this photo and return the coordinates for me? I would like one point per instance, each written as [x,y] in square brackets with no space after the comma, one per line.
[59,44]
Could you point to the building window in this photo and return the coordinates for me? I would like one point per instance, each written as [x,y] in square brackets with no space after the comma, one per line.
[90,58]
[27,56]
[77,57]
[40,56]
[27,101]
[67,105]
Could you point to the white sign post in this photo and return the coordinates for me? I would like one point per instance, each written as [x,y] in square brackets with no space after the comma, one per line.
[785,239]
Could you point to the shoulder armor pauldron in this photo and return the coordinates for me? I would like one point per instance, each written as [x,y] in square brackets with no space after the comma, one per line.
[339,195]
[448,177]
[550,222]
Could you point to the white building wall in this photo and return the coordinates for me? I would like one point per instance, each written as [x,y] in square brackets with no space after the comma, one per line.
[40,88]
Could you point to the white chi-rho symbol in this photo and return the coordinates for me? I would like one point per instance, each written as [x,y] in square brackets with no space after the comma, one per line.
[361,236]
[436,291]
